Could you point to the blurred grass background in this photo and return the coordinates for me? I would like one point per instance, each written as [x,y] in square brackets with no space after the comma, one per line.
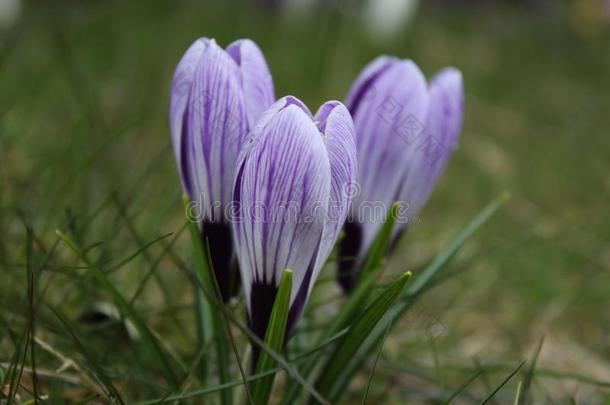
[84,147]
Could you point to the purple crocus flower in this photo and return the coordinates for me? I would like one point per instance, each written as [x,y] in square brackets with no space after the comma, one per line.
[406,131]
[217,96]
[291,199]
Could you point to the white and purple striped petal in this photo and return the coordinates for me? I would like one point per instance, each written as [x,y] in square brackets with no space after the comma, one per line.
[179,98]
[256,80]
[363,88]
[335,123]
[439,140]
[216,129]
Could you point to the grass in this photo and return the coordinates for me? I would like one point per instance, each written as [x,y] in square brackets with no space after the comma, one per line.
[84,148]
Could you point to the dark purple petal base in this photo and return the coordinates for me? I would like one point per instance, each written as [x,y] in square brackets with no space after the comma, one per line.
[262,298]
[348,252]
[218,237]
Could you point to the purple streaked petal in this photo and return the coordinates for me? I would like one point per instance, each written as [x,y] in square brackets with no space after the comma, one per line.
[216,127]
[256,79]
[261,125]
[386,128]
[363,90]
[337,127]
[443,127]
[181,89]
[446,114]
[272,111]
[262,297]
[217,235]
[348,266]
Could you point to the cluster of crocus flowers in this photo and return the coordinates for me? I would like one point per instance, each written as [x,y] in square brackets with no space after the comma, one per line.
[273,184]
[406,131]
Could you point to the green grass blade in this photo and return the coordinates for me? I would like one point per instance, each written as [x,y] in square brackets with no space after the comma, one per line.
[31,293]
[200,257]
[518,394]
[503,383]
[372,373]
[147,336]
[155,264]
[240,366]
[462,387]
[222,356]
[204,327]
[356,335]
[220,327]
[451,250]
[95,372]
[15,372]
[138,252]
[274,338]
[205,324]
[378,250]
[529,376]
[206,283]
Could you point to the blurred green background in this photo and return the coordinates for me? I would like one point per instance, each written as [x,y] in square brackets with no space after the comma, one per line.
[85,147]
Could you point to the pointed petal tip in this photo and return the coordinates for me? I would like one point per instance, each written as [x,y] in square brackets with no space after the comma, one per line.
[334,108]
[365,82]
[449,76]
[410,69]
[205,40]
[290,100]
[447,105]
[244,45]
[256,79]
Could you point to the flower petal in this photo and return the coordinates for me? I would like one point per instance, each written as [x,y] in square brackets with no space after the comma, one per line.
[181,89]
[446,114]
[363,89]
[443,127]
[385,129]
[256,79]
[337,127]
[213,131]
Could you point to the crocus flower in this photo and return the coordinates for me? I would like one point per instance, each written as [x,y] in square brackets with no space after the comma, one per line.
[291,199]
[406,131]
[217,96]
